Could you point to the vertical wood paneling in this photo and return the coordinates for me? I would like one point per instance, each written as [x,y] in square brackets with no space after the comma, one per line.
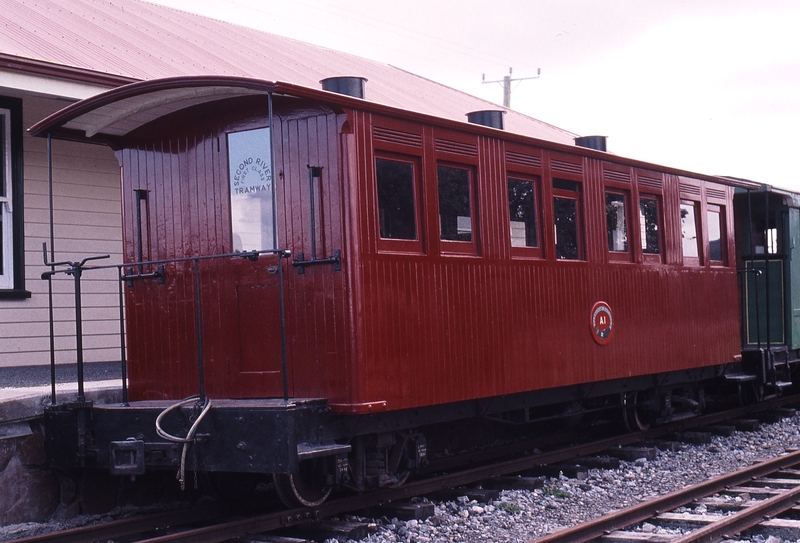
[493,325]
[410,330]
[496,325]
[188,209]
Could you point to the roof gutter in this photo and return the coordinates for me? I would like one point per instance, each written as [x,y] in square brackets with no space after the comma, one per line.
[60,71]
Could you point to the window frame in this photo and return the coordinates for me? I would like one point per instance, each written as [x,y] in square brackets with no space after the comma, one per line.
[451,246]
[652,258]
[626,255]
[395,245]
[694,261]
[567,194]
[723,239]
[234,203]
[13,286]
[527,251]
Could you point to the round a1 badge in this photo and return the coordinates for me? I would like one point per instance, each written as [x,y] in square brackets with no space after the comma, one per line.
[602,323]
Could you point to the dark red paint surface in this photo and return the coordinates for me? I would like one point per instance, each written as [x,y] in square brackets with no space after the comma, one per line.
[407,324]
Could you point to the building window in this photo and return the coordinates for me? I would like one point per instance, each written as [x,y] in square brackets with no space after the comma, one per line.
[616,225]
[396,208]
[648,221]
[455,205]
[715,229]
[11,243]
[689,239]
[522,213]
[6,207]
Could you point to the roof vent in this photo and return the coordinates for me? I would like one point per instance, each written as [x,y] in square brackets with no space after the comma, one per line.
[493,118]
[351,86]
[592,142]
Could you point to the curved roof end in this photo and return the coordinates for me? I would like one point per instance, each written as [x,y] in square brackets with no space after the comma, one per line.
[117,112]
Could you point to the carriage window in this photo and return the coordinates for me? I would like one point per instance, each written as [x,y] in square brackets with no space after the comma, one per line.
[566,211]
[455,209]
[715,238]
[252,215]
[615,222]
[648,222]
[396,199]
[772,241]
[566,216]
[689,230]
[522,213]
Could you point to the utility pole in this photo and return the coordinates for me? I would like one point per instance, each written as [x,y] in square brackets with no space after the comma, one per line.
[506,82]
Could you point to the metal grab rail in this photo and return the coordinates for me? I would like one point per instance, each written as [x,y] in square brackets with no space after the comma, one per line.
[75,269]
[315,172]
[136,272]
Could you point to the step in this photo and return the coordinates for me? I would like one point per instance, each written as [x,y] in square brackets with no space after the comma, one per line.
[740,377]
[307,451]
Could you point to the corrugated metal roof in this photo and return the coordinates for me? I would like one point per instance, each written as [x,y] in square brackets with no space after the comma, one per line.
[136,39]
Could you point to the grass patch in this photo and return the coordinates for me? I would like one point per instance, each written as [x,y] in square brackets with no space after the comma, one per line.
[556,492]
[510,507]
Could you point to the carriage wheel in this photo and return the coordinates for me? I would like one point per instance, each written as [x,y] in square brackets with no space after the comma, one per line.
[402,477]
[634,414]
[304,488]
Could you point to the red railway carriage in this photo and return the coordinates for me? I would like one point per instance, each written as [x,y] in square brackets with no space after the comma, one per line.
[372,260]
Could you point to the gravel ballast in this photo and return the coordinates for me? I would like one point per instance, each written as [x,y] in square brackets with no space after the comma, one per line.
[522,515]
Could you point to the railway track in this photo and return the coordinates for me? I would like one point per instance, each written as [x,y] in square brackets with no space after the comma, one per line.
[765,490]
[180,526]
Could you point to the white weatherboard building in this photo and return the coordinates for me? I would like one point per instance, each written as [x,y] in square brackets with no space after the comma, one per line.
[54,52]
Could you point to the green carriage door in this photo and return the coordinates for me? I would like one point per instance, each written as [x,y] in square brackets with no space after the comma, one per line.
[793,267]
[764,295]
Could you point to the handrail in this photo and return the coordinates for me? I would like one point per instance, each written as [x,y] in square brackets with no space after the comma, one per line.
[75,269]
[136,272]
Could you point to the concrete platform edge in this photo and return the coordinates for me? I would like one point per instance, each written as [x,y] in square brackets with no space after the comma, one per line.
[24,404]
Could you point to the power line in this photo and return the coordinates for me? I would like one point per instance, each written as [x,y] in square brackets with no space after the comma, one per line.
[506,82]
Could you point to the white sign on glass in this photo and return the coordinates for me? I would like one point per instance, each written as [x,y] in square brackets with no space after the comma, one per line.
[252,192]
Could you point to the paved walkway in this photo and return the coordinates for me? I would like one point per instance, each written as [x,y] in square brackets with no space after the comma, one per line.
[25,391]
[31,376]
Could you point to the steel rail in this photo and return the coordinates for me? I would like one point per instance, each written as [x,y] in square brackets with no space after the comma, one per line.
[130,526]
[626,517]
[747,518]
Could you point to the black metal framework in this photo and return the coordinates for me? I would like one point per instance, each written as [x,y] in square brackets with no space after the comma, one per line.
[52,259]
[77,269]
[281,254]
[315,172]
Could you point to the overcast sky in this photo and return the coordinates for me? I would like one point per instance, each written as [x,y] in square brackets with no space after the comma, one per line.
[711,86]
